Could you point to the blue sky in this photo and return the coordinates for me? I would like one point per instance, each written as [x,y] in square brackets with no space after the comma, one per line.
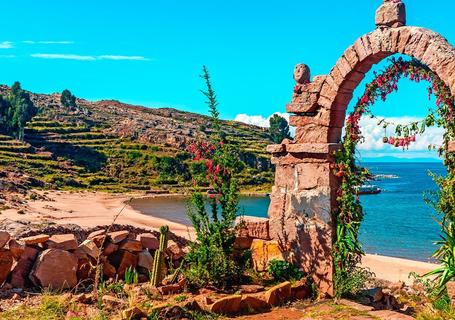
[150,52]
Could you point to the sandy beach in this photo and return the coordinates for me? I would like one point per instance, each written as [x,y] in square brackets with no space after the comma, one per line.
[89,209]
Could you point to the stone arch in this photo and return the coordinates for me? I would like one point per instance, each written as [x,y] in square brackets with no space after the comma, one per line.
[304,194]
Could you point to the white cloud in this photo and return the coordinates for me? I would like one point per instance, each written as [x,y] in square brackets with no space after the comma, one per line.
[47,42]
[258,120]
[7,56]
[63,56]
[116,57]
[6,45]
[374,134]
[87,57]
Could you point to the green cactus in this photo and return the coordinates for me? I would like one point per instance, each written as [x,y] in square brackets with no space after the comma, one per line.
[158,261]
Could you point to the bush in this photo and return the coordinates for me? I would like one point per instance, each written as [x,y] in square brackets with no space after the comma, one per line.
[349,283]
[283,271]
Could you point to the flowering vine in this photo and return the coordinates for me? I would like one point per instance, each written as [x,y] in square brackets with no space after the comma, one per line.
[347,248]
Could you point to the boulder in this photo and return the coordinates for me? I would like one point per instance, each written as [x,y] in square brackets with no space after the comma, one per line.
[145,260]
[252,227]
[148,241]
[131,245]
[118,236]
[226,305]
[242,242]
[96,234]
[174,250]
[109,271]
[170,289]
[262,252]
[278,294]
[89,247]
[23,267]
[6,262]
[62,241]
[109,248]
[16,248]
[40,238]
[121,260]
[300,290]
[254,302]
[4,238]
[56,269]
[251,288]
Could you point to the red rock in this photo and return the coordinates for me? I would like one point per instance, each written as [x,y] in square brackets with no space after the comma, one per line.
[256,228]
[118,236]
[451,147]
[109,271]
[391,14]
[170,289]
[131,245]
[149,241]
[55,269]
[300,290]
[145,260]
[16,248]
[109,248]
[62,241]
[90,248]
[96,234]
[40,238]
[6,262]
[4,238]
[251,288]
[278,294]
[111,302]
[254,302]
[263,252]
[174,250]
[22,269]
[121,260]
[242,242]
[226,305]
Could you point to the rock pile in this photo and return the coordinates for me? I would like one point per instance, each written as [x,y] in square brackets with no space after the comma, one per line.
[61,261]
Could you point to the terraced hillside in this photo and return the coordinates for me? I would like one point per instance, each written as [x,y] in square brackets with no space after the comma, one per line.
[111,146]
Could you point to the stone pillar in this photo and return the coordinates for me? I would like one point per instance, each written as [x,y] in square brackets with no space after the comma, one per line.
[304,195]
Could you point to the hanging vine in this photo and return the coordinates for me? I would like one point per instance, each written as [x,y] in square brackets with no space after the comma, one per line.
[347,248]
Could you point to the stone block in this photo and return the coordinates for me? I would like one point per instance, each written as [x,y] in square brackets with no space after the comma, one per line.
[4,238]
[118,236]
[253,227]
[391,14]
[130,245]
[6,262]
[89,247]
[148,241]
[226,305]
[40,238]
[278,294]
[23,267]
[263,252]
[16,248]
[451,147]
[62,241]
[145,260]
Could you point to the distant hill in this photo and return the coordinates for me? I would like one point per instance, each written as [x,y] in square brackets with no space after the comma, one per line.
[112,146]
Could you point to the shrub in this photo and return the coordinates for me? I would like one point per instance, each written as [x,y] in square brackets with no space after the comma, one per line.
[282,270]
[349,283]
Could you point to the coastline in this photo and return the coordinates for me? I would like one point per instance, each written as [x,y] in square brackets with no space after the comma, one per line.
[89,209]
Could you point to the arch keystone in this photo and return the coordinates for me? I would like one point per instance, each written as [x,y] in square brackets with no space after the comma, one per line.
[391,14]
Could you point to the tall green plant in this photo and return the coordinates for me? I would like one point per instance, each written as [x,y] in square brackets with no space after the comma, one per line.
[211,260]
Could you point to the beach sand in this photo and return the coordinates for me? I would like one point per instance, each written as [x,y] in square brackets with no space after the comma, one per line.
[89,209]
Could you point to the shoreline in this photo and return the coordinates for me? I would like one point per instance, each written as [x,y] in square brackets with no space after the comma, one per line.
[90,209]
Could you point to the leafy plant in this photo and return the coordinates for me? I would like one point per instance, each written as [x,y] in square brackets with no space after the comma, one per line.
[282,270]
[131,276]
[279,128]
[350,282]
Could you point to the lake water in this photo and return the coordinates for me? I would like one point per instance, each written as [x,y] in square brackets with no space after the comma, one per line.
[397,221]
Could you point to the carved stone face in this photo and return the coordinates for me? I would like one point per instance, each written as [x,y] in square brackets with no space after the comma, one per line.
[302,73]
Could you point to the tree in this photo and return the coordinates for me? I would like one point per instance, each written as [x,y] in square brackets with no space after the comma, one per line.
[279,128]
[67,99]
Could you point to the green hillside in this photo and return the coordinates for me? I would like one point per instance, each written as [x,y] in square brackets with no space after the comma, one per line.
[116,147]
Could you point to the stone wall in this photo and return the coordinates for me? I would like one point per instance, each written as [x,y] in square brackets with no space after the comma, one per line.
[61,261]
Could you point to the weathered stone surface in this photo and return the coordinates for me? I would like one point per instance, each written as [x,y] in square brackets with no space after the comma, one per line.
[97,233]
[276,148]
[302,73]
[242,242]
[389,315]
[149,241]
[40,238]
[109,271]
[170,289]
[62,241]
[133,313]
[4,238]
[111,302]
[109,248]
[300,290]
[131,245]
[89,247]
[121,260]
[279,294]
[24,265]
[16,248]
[118,236]
[251,288]
[257,228]
[391,13]
[55,269]
[226,305]
[324,148]
[145,260]
[263,252]
[6,262]
[451,147]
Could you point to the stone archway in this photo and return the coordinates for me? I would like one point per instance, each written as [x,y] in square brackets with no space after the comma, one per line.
[304,195]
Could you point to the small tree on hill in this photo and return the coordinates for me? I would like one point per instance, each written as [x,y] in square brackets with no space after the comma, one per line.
[212,102]
[68,100]
[279,128]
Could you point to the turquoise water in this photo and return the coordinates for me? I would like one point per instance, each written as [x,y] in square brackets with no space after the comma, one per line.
[397,221]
